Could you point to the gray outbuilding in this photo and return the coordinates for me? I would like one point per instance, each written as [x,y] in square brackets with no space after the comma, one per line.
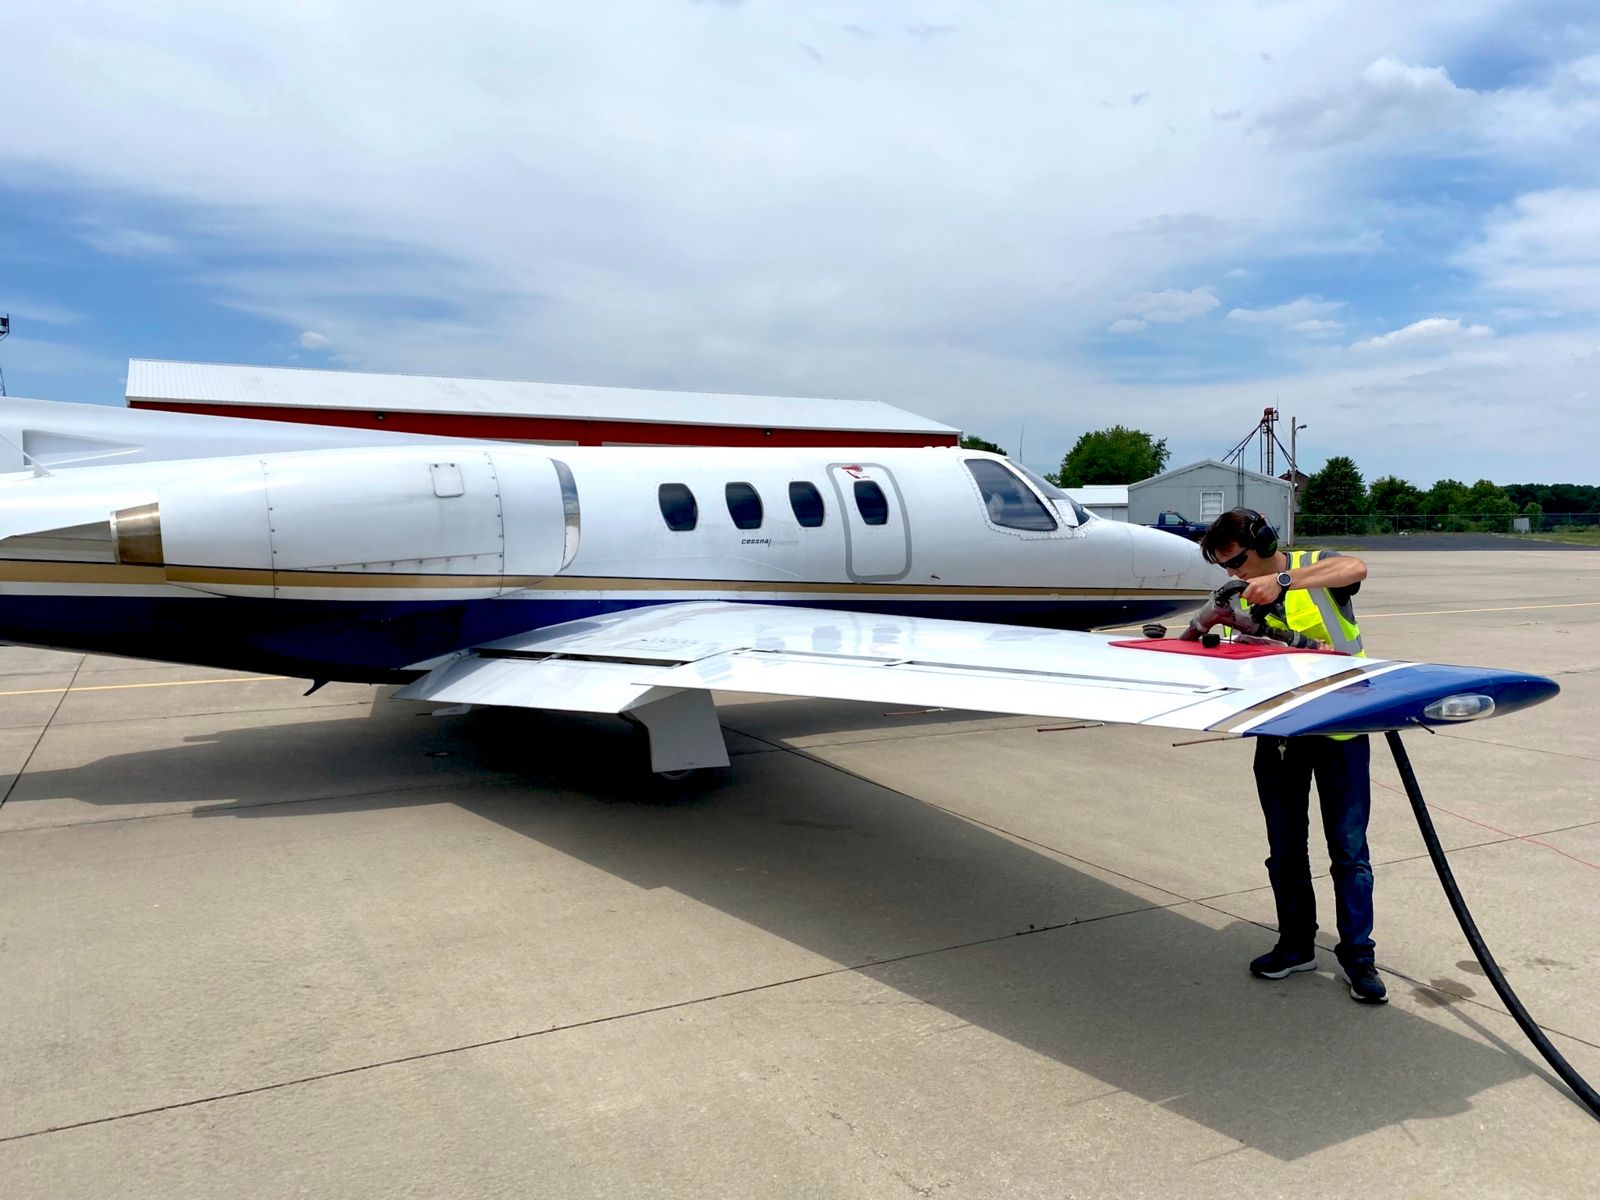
[1203,490]
[1108,500]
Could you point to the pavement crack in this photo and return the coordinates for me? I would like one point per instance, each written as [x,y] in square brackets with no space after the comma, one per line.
[44,729]
[1482,741]
[861,968]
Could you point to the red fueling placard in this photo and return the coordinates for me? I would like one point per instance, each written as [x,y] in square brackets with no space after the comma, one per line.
[1224,650]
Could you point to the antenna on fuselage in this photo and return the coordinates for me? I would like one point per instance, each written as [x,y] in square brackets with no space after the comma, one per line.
[38,467]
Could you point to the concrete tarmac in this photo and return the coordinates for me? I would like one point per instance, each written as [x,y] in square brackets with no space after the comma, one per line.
[254,944]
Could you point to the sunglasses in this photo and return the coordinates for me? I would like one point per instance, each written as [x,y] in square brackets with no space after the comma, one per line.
[1234,563]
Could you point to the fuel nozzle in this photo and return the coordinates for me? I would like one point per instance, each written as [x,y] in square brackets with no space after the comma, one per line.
[1250,625]
[1220,609]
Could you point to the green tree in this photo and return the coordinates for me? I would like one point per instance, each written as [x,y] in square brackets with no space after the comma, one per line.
[1393,495]
[1489,505]
[1394,504]
[1115,455]
[1335,491]
[1446,503]
[973,442]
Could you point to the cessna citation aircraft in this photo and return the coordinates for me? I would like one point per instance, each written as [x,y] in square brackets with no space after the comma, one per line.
[637,580]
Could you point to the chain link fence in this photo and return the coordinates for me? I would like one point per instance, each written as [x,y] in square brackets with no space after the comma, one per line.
[1313,525]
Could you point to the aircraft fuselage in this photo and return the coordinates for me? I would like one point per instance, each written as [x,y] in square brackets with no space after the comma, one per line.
[364,564]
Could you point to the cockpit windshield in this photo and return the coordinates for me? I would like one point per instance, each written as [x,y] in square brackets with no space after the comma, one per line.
[1009,502]
[1052,492]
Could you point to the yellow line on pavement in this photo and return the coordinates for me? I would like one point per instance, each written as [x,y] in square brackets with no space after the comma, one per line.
[1450,612]
[117,687]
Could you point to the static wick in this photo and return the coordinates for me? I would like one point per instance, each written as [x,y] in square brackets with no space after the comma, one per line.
[1227,737]
[1067,728]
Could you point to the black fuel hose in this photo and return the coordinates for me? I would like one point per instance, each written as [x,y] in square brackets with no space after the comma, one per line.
[1447,879]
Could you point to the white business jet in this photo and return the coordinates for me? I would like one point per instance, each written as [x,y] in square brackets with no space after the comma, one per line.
[637,580]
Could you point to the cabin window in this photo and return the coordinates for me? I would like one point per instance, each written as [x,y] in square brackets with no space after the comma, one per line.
[871,503]
[1009,502]
[807,504]
[744,505]
[678,507]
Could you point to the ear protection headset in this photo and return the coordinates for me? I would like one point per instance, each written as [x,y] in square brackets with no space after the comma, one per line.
[1260,536]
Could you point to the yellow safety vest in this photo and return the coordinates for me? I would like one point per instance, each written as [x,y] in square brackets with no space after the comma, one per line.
[1315,613]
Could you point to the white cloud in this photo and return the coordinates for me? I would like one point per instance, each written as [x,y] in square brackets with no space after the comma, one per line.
[563,205]
[26,308]
[1171,307]
[312,340]
[1552,119]
[1311,315]
[1391,98]
[1558,112]
[127,243]
[29,360]
[1428,330]
[1546,245]
[1194,227]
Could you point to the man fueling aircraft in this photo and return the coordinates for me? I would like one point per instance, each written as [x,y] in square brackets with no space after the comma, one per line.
[637,580]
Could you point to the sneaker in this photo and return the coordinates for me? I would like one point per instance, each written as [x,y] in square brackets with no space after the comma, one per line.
[1366,986]
[1278,962]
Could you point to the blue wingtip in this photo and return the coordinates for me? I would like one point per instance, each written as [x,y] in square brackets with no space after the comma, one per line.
[1397,700]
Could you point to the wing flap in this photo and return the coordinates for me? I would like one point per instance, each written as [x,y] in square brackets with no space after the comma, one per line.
[582,686]
[943,685]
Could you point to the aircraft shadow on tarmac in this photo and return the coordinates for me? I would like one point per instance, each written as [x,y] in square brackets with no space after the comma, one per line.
[1138,996]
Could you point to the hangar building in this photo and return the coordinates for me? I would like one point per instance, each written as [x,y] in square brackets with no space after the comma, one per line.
[505,410]
[1203,490]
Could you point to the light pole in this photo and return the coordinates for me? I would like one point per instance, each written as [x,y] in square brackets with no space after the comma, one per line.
[1294,476]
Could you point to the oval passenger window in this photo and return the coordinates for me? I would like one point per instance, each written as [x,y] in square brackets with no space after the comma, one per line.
[678,507]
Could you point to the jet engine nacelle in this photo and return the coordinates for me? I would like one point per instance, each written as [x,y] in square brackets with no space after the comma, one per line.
[464,518]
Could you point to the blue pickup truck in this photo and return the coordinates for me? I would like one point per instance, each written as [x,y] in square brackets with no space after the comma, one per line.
[1176,522]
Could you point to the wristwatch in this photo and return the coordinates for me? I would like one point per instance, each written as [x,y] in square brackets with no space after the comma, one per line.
[1283,580]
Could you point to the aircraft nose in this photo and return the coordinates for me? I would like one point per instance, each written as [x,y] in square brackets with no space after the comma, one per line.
[1171,561]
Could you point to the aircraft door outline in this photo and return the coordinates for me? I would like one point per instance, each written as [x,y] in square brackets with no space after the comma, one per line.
[873,553]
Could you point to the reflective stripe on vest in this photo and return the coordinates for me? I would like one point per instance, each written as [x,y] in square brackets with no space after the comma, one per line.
[1315,613]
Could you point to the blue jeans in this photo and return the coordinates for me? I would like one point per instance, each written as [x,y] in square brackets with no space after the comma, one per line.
[1284,768]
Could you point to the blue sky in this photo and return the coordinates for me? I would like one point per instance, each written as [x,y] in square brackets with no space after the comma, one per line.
[1384,219]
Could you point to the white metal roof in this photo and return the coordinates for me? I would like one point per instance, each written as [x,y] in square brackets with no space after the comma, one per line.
[1252,476]
[218,383]
[1099,493]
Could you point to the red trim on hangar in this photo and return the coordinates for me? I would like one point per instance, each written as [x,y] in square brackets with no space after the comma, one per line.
[584,432]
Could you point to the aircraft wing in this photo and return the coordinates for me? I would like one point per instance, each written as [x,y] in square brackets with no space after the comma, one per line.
[624,660]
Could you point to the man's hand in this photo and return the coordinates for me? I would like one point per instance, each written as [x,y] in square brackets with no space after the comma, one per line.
[1263,589]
